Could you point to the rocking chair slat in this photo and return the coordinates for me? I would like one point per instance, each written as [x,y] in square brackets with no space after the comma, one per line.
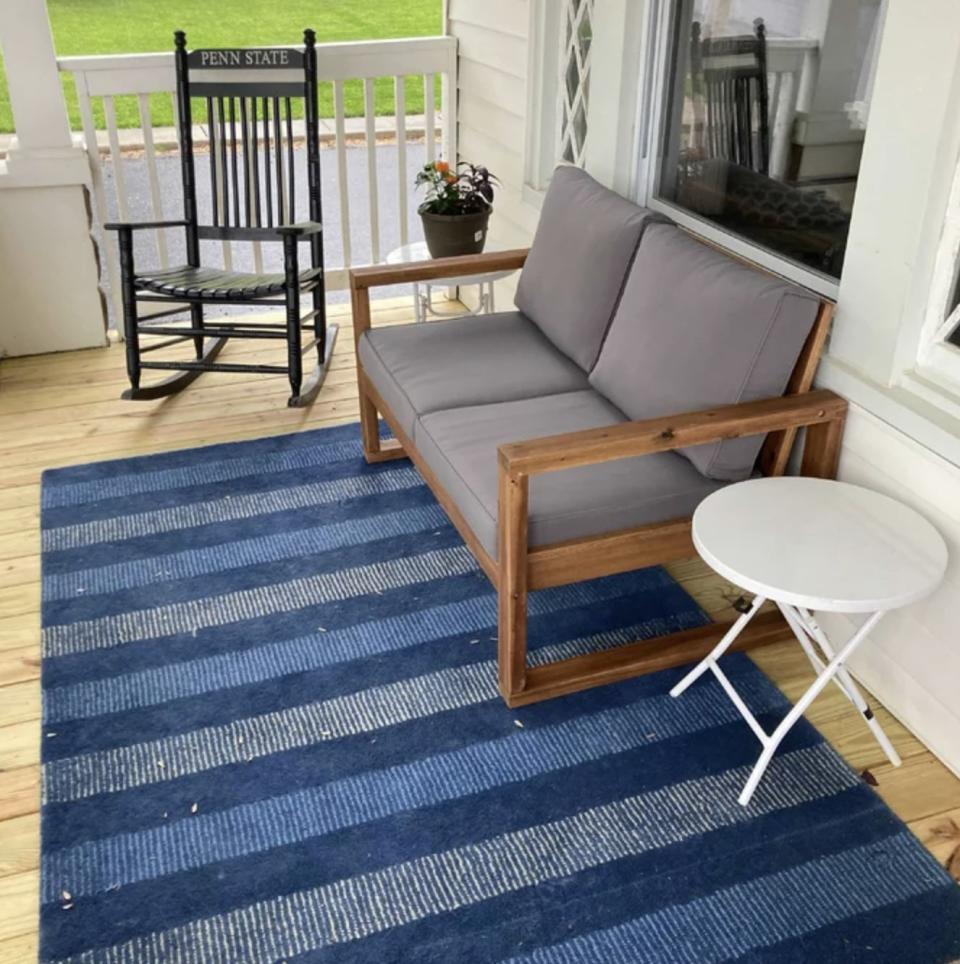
[292,209]
[278,147]
[266,162]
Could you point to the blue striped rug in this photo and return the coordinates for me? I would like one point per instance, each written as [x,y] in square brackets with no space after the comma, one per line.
[272,732]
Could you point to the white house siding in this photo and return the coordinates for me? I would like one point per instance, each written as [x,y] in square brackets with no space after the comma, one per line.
[491,112]
[912,660]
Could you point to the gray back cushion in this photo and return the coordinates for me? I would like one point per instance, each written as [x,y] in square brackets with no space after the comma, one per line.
[575,271]
[696,329]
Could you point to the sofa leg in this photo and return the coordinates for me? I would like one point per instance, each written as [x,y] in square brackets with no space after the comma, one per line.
[512,589]
[369,428]
[821,449]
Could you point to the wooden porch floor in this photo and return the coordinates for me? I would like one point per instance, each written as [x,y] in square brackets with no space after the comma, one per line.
[65,409]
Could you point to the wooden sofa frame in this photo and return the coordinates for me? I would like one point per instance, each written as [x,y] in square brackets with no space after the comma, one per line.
[519,568]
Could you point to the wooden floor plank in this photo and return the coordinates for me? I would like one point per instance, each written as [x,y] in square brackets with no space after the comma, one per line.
[19,791]
[19,896]
[940,834]
[19,745]
[20,950]
[19,703]
[923,787]
[19,664]
[65,410]
[19,844]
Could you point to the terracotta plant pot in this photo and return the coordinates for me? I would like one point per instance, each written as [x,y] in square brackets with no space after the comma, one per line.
[449,235]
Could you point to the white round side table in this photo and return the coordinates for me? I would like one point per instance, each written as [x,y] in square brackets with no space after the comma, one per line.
[423,291]
[806,545]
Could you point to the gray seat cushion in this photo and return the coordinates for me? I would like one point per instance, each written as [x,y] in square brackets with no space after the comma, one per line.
[696,329]
[460,446]
[585,241]
[463,361]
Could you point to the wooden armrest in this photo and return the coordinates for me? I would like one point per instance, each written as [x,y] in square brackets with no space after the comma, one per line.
[301,229]
[142,225]
[434,269]
[593,446]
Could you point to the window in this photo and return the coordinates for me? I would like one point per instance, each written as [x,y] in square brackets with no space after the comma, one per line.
[559,96]
[764,111]
[939,349]
[574,83]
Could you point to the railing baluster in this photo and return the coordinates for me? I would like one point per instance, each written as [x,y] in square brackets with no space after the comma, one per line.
[344,191]
[400,112]
[119,179]
[429,121]
[783,109]
[100,196]
[371,130]
[150,154]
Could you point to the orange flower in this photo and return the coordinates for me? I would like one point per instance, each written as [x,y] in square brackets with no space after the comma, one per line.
[442,167]
[451,179]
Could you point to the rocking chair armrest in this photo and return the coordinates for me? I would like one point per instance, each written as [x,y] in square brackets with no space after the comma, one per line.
[143,225]
[628,439]
[302,229]
[435,269]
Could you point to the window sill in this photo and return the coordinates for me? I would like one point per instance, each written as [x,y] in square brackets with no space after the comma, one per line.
[925,411]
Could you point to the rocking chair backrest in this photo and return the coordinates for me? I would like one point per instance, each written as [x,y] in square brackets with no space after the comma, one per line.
[250,97]
[733,74]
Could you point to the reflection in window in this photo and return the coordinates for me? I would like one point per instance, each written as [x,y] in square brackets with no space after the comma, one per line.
[767,108]
[576,34]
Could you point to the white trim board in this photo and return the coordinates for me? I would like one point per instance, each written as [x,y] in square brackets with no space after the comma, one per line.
[911,661]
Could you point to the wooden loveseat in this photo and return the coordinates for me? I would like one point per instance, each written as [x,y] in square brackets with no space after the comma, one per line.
[573,438]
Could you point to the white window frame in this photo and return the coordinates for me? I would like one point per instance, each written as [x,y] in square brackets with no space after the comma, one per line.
[546,68]
[649,154]
[937,359]
[543,72]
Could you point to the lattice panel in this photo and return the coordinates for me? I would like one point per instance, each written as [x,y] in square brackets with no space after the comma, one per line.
[576,35]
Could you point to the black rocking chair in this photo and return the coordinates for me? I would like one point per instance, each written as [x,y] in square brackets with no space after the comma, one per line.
[732,74]
[249,95]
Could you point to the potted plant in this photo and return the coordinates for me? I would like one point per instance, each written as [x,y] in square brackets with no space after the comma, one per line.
[457,207]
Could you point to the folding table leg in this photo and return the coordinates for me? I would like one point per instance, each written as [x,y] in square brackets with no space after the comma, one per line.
[728,640]
[843,678]
[776,738]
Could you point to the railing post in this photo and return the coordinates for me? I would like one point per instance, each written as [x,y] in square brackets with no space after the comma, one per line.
[44,225]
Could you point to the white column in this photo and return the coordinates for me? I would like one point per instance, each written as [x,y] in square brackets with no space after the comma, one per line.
[831,143]
[48,275]
[39,112]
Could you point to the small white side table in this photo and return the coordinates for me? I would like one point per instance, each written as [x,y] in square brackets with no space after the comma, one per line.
[813,544]
[423,292]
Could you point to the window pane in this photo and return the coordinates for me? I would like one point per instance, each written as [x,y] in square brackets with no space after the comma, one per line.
[766,112]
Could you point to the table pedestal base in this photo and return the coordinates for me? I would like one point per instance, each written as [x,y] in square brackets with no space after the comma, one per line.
[827,663]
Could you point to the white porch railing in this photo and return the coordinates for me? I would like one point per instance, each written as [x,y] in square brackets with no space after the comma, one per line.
[103,79]
[792,65]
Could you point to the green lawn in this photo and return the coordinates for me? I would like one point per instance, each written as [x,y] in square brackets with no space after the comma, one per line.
[132,26]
